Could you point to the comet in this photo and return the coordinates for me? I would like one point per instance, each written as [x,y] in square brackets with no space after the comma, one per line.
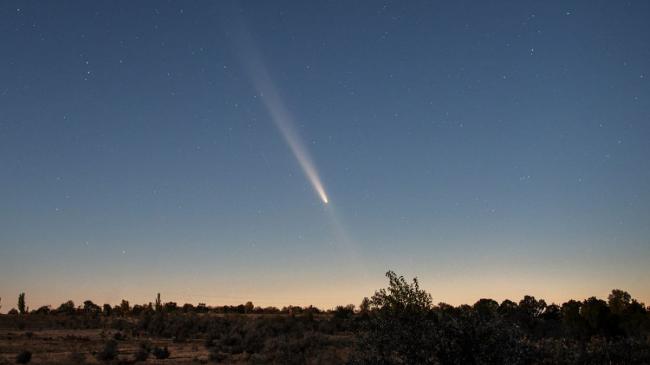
[278,111]
[284,121]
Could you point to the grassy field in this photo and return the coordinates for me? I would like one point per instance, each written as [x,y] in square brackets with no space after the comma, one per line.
[70,346]
[83,346]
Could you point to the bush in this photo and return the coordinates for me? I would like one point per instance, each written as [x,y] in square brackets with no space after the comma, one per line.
[109,352]
[24,357]
[160,353]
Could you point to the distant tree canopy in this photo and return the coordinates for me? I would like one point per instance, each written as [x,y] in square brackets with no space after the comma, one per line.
[66,308]
[398,324]
[403,327]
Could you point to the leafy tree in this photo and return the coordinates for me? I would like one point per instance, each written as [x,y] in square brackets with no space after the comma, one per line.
[596,314]
[529,311]
[618,301]
[627,315]
[573,323]
[91,308]
[43,310]
[125,307]
[188,308]
[344,312]
[170,307]
[201,308]
[66,308]
[364,307]
[21,303]
[508,309]
[401,328]
[248,307]
[107,310]
[486,308]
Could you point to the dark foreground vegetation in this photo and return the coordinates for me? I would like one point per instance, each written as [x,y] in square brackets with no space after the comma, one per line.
[397,325]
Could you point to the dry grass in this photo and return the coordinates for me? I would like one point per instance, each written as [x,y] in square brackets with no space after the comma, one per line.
[57,347]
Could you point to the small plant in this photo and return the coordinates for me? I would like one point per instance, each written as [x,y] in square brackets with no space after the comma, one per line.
[24,357]
[109,352]
[160,353]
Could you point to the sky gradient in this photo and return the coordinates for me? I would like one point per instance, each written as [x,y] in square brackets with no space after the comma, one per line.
[492,149]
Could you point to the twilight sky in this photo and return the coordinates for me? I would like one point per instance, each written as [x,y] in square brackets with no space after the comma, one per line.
[493,149]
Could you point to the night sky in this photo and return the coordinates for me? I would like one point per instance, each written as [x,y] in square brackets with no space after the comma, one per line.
[492,149]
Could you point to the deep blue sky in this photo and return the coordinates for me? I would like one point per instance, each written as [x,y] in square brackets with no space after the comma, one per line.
[493,149]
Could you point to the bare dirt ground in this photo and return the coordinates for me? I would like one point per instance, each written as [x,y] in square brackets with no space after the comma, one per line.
[58,347]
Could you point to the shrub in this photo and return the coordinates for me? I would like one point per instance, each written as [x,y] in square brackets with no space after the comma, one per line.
[160,353]
[109,352]
[24,357]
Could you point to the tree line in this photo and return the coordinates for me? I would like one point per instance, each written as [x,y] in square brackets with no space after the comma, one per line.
[399,324]
[126,309]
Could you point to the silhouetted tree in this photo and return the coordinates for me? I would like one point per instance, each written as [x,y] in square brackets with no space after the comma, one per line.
[43,310]
[401,328]
[158,303]
[201,308]
[486,308]
[248,307]
[627,315]
[91,308]
[21,303]
[107,310]
[188,308]
[364,307]
[529,311]
[508,309]
[343,312]
[122,309]
[170,307]
[596,315]
[66,308]
[619,301]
